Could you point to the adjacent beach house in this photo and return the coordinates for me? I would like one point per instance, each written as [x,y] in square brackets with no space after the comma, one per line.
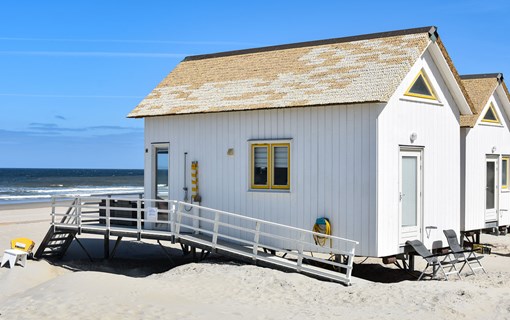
[361,130]
[485,154]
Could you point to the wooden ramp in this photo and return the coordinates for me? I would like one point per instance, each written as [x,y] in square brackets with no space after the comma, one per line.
[263,258]
[252,240]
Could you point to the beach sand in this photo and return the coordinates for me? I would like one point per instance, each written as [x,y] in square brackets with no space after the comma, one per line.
[141,282]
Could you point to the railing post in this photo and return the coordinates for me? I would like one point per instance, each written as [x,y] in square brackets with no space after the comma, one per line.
[108,215]
[178,218]
[139,217]
[349,265]
[196,221]
[256,240]
[172,216]
[215,229]
[53,211]
[300,252]
[78,213]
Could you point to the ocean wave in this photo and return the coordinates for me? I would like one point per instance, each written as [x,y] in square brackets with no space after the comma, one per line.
[11,197]
[29,194]
[85,189]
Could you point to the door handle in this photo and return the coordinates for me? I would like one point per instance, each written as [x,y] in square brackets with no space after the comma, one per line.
[401,196]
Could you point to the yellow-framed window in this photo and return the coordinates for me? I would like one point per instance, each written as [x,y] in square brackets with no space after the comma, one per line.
[491,115]
[280,166]
[260,166]
[504,172]
[421,88]
[270,166]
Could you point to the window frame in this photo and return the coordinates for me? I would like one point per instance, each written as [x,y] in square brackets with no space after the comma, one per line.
[433,95]
[503,159]
[274,186]
[252,169]
[270,145]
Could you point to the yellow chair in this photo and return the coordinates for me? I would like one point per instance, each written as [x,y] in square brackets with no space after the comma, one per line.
[23,244]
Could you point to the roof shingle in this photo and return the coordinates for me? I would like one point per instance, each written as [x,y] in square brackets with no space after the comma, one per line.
[336,71]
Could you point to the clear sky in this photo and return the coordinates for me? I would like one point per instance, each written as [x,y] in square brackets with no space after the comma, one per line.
[70,71]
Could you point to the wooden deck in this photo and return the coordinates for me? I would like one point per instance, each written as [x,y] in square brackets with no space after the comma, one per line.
[251,240]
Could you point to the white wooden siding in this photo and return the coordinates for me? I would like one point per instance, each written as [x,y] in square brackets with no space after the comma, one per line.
[344,163]
[437,129]
[478,143]
[332,164]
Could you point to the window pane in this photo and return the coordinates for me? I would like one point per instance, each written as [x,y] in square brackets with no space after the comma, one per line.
[420,87]
[504,172]
[260,155]
[162,173]
[281,165]
[490,115]
[490,191]
[409,191]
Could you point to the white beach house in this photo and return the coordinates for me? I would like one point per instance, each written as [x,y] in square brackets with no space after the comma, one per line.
[485,147]
[361,130]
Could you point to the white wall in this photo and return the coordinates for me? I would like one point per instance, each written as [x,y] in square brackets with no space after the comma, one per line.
[333,164]
[479,142]
[437,129]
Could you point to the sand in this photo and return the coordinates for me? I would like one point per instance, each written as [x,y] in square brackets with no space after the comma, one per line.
[142,283]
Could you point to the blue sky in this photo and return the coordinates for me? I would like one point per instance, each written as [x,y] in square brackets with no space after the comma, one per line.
[70,71]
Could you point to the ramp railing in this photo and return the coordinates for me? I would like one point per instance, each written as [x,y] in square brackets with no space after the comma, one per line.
[251,237]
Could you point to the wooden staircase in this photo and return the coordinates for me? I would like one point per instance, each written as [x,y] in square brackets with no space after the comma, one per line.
[56,243]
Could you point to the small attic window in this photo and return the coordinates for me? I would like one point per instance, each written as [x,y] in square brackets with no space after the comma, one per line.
[491,115]
[421,88]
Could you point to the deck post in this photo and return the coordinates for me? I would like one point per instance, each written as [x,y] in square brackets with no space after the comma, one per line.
[107,234]
[106,246]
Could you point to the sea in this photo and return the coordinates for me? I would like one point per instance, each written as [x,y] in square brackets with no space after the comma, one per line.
[39,185]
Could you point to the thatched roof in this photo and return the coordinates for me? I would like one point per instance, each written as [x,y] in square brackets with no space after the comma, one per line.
[480,88]
[358,69]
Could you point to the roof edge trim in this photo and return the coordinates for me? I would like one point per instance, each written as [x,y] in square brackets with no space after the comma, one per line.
[258,109]
[431,30]
[498,76]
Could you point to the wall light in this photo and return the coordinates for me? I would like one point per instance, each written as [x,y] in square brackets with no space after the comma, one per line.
[413,137]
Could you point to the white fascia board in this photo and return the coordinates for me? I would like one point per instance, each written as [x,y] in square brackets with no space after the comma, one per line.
[503,98]
[449,78]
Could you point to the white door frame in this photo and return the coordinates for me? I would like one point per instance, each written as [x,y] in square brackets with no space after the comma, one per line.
[492,214]
[154,188]
[411,232]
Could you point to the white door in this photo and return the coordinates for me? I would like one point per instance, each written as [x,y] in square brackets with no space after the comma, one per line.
[491,189]
[410,195]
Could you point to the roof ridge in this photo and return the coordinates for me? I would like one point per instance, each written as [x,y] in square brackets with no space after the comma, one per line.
[481,76]
[430,29]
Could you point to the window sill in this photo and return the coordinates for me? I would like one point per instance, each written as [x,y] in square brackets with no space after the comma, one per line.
[269,190]
[421,100]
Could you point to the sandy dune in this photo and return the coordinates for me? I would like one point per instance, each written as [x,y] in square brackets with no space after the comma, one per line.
[148,287]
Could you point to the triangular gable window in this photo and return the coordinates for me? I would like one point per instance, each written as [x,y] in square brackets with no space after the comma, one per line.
[491,115]
[421,88]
